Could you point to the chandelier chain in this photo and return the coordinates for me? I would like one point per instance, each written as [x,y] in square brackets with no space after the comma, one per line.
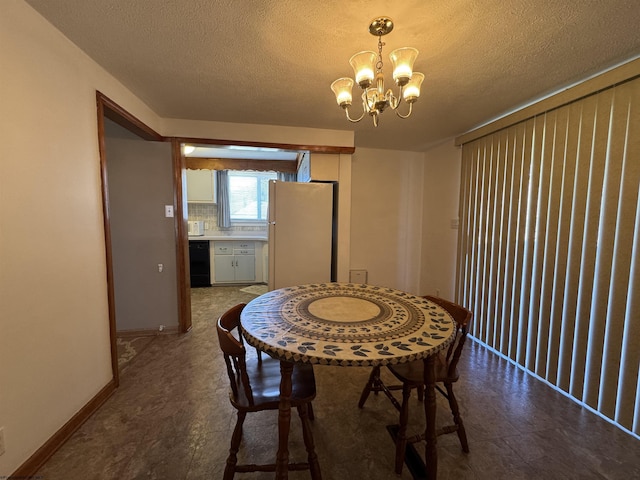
[380,45]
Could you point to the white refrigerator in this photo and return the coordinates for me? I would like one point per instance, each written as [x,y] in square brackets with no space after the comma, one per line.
[301,233]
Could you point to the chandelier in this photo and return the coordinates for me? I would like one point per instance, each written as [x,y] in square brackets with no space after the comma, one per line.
[367,67]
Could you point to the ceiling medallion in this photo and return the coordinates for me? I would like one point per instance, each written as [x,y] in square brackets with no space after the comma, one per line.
[367,67]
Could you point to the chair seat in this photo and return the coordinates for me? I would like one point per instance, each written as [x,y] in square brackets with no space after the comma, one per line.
[411,375]
[413,372]
[265,385]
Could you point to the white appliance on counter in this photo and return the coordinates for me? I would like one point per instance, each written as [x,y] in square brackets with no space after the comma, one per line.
[301,233]
[196,228]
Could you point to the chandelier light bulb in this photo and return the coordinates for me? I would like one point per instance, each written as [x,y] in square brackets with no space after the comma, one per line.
[364,65]
[411,91]
[402,60]
[342,90]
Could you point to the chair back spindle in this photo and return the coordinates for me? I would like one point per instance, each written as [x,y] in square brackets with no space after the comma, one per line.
[462,317]
[255,386]
[234,352]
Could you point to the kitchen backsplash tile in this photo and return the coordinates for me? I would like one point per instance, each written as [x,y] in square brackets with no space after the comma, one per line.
[208,213]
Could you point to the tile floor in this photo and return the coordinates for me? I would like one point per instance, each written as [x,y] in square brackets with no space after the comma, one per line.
[171,419]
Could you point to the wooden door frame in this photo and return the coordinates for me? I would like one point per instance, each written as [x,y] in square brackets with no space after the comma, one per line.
[109,109]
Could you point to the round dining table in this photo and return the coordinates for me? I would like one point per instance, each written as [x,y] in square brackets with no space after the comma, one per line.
[347,325]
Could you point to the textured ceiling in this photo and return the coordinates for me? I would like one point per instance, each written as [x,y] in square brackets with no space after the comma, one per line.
[272,61]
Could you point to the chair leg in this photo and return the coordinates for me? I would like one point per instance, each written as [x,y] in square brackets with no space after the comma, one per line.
[401,440]
[314,466]
[311,415]
[455,411]
[372,383]
[232,460]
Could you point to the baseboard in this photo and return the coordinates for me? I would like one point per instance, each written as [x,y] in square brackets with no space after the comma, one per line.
[147,332]
[29,468]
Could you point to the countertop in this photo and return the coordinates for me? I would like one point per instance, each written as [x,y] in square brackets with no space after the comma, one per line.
[231,238]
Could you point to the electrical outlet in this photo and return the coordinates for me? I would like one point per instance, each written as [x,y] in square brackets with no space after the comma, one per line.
[1,440]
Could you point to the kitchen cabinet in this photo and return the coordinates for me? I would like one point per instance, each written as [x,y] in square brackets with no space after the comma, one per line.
[319,167]
[234,261]
[201,186]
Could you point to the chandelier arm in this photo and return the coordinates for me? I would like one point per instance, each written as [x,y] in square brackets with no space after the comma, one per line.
[394,101]
[366,104]
[346,111]
[407,115]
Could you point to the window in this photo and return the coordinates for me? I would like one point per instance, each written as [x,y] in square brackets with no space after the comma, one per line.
[249,195]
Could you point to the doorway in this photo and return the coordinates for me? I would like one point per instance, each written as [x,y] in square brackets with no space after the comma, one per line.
[145,266]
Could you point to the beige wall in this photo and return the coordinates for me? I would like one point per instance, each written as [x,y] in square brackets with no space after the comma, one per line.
[54,335]
[386,215]
[402,207]
[54,341]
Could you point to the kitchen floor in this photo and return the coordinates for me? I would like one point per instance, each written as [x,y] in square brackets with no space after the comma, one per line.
[171,419]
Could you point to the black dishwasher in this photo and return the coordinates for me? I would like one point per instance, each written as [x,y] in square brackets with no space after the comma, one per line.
[199,263]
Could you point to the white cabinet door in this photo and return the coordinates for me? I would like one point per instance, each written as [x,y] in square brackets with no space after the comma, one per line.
[200,186]
[245,268]
[224,266]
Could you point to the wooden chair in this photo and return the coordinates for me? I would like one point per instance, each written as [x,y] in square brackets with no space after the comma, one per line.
[412,376]
[255,386]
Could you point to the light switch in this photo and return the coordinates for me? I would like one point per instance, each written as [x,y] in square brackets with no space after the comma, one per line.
[168,211]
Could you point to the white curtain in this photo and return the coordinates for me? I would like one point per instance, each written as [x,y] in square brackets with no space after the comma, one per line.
[549,250]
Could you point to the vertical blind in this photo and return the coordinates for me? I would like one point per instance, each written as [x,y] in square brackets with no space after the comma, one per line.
[549,247]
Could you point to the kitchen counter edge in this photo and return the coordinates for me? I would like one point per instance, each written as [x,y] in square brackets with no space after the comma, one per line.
[230,238]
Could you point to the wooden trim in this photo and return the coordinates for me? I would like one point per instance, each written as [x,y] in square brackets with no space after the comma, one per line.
[29,468]
[119,115]
[182,242]
[111,302]
[281,146]
[195,163]
[611,78]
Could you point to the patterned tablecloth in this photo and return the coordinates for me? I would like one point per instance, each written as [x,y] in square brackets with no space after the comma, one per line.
[346,324]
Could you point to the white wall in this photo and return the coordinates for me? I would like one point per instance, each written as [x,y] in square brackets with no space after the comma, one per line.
[441,201]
